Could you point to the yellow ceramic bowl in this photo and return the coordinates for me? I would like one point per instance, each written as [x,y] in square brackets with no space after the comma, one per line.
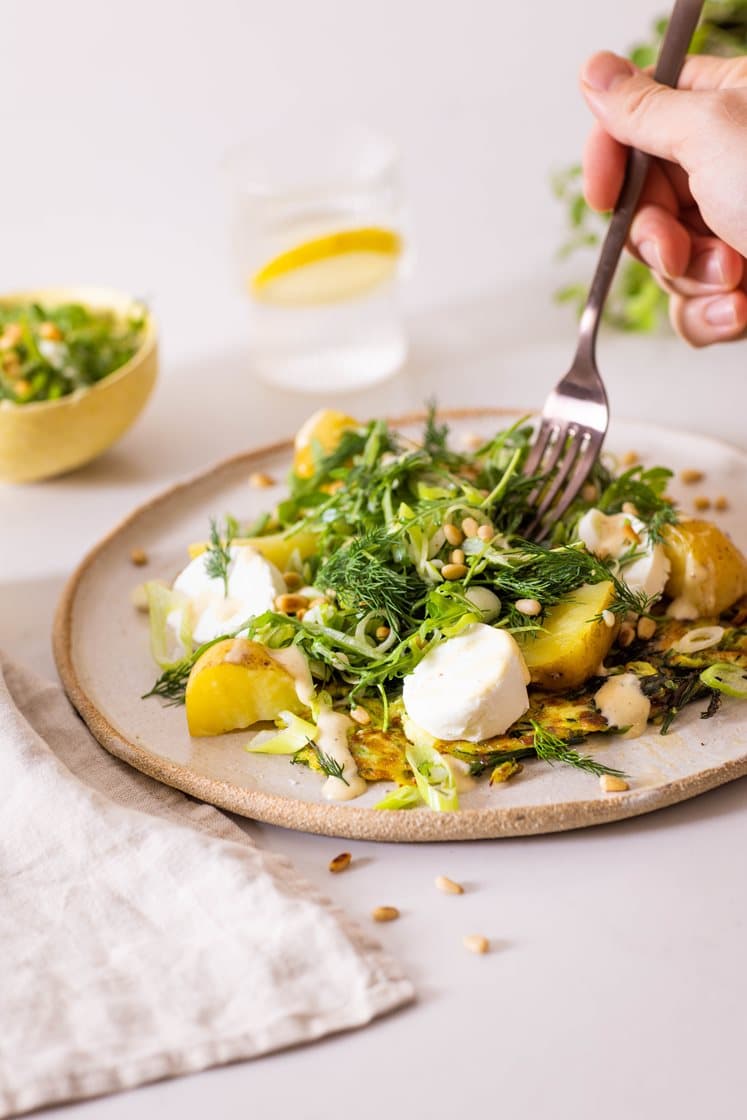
[46,438]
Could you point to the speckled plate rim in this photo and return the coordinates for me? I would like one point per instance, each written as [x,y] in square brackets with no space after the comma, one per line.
[348,820]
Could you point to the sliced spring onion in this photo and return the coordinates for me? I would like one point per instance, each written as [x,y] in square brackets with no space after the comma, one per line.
[170,624]
[403,797]
[702,637]
[727,678]
[295,734]
[434,779]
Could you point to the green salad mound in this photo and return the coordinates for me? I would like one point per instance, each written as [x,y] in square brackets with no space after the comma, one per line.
[49,352]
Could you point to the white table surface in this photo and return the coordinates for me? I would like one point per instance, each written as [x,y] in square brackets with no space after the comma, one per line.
[616,985]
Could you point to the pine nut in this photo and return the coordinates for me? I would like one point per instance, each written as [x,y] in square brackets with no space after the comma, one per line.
[528,606]
[291,604]
[630,458]
[453,534]
[721,503]
[472,441]
[470,527]
[646,628]
[301,614]
[360,715]
[690,476]
[385,913]
[139,598]
[292,580]
[589,492]
[630,509]
[486,532]
[610,783]
[12,335]
[382,632]
[50,331]
[138,556]
[626,635]
[702,502]
[340,863]
[260,480]
[320,601]
[448,886]
[608,618]
[476,943]
[454,571]
[457,556]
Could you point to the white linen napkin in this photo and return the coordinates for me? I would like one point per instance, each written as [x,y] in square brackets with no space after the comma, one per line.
[143,935]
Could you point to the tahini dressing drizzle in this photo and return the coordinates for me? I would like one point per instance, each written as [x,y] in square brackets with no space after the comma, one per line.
[622,704]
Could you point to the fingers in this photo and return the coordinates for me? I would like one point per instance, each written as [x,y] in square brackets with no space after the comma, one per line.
[703,320]
[638,111]
[660,241]
[707,72]
[604,168]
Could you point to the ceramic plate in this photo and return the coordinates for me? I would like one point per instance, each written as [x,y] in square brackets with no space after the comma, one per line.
[102,652]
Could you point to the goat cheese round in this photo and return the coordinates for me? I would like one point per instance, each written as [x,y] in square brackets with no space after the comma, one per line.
[612,535]
[252,586]
[471,686]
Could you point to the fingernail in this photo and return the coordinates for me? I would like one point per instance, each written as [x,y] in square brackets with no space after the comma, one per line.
[604,71]
[649,251]
[720,312]
[707,268]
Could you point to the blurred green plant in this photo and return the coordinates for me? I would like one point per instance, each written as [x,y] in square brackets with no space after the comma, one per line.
[636,303]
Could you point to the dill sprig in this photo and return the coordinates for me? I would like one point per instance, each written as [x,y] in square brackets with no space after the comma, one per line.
[365,577]
[329,765]
[551,748]
[218,554]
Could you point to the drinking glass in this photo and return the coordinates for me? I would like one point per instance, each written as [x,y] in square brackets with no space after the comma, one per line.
[318,235]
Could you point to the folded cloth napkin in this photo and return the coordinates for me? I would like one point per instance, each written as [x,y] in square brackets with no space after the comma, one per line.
[143,935]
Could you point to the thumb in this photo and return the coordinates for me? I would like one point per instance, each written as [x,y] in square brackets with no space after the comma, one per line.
[638,111]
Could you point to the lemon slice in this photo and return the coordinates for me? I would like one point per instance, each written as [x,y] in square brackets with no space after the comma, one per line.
[328,269]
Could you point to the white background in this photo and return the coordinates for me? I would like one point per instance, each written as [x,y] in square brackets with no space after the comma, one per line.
[616,987]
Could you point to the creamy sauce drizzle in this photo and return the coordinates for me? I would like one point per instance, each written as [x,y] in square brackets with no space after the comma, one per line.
[333,741]
[294,662]
[622,704]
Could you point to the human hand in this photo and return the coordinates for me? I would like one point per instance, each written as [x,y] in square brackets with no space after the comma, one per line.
[690,227]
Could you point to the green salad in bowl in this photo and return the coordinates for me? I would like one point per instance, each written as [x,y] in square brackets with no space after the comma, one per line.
[49,351]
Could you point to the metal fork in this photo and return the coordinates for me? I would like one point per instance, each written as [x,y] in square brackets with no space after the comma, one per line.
[575,416]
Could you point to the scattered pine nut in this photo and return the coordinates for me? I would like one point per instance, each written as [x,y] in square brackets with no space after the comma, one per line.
[528,606]
[476,943]
[260,480]
[702,502]
[453,534]
[385,913]
[292,580]
[138,556]
[457,556]
[340,863]
[50,331]
[448,886]
[690,476]
[318,602]
[721,503]
[291,604]
[629,534]
[630,458]
[454,571]
[360,715]
[472,441]
[589,492]
[11,336]
[646,628]
[626,635]
[382,632]
[470,527]
[610,783]
[139,598]
[486,532]
[630,509]
[608,618]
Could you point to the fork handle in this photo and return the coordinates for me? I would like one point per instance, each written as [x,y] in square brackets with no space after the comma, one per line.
[682,24]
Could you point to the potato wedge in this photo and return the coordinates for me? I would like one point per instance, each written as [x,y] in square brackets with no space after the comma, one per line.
[708,572]
[276,548]
[235,684]
[571,646]
[324,428]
